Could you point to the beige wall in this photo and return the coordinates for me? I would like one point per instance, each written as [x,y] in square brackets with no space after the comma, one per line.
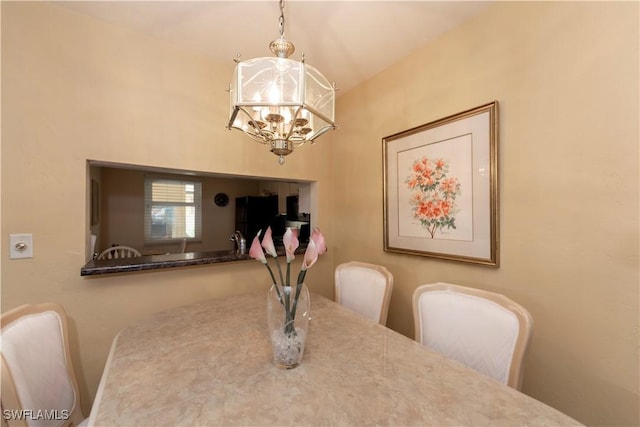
[566,77]
[75,89]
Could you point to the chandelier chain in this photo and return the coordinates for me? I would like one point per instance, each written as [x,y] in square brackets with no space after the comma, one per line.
[281,18]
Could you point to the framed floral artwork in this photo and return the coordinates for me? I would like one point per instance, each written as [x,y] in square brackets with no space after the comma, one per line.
[441,188]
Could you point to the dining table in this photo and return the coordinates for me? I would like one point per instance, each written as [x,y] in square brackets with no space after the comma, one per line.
[210,363]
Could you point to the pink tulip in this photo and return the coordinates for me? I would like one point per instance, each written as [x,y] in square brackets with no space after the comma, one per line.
[291,243]
[267,243]
[255,251]
[318,239]
[310,255]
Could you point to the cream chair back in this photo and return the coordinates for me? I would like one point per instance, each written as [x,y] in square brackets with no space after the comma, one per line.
[38,378]
[364,288]
[483,330]
[115,252]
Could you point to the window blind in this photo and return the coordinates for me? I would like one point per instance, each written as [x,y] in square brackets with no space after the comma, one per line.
[172,210]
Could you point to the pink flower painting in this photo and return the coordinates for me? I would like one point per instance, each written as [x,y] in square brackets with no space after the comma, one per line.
[433,194]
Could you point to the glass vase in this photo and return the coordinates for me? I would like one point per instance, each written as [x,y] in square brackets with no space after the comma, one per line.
[288,315]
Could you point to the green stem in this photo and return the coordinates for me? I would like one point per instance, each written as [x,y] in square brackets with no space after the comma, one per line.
[275,284]
[279,271]
[288,272]
[301,277]
[286,291]
[288,315]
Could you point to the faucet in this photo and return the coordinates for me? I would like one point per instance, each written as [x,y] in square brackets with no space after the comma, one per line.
[240,243]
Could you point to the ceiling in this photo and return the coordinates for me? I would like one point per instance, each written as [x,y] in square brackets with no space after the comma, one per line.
[348,41]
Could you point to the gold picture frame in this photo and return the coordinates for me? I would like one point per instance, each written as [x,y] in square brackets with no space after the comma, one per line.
[441,188]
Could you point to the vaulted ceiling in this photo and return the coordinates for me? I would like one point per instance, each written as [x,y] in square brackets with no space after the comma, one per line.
[348,41]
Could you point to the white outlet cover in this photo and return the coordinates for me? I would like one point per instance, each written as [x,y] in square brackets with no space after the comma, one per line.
[15,240]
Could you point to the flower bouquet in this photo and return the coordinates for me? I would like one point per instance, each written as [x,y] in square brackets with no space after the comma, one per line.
[287,303]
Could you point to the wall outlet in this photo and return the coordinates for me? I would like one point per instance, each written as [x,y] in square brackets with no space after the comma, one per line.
[20,246]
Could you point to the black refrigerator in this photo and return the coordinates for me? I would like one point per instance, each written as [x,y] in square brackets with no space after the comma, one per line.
[255,213]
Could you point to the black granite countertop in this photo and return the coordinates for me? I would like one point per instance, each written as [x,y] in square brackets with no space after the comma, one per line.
[156,262]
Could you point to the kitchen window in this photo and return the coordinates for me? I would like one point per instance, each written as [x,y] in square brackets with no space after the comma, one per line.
[172,210]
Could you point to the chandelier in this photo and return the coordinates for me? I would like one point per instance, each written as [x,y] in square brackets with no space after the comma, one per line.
[280,102]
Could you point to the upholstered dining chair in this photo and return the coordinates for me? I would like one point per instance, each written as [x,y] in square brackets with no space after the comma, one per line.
[115,252]
[364,288]
[39,384]
[483,330]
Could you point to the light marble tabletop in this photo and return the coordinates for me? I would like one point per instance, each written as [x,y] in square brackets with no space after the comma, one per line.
[210,364]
